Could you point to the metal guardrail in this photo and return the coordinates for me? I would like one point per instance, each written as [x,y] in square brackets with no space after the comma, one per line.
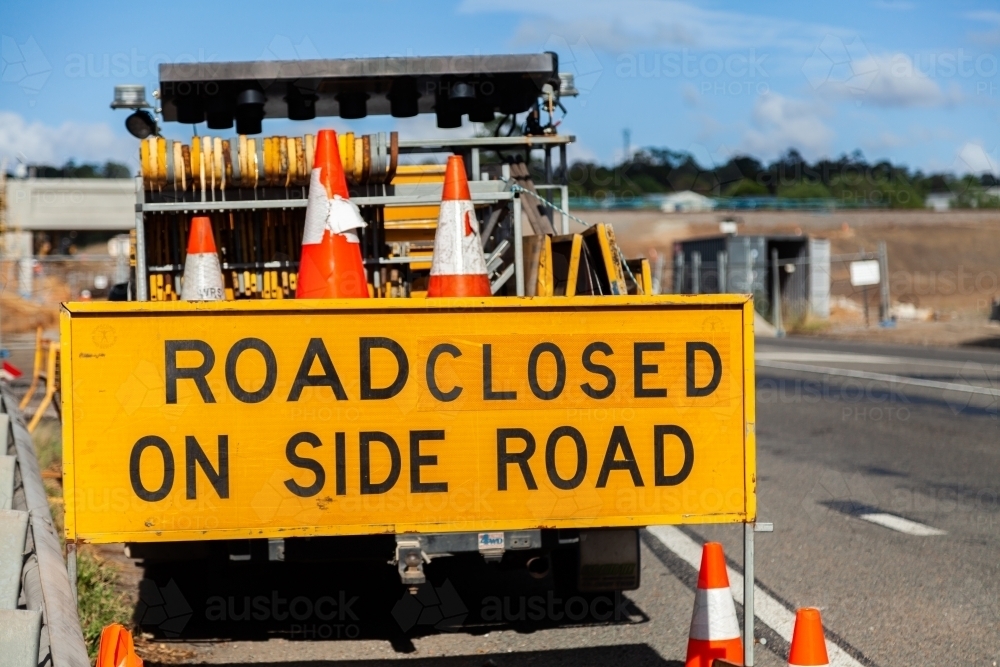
[653,202]
[45,581]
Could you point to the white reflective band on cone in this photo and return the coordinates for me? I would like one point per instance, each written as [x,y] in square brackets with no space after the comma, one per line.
[455,252]
[714,616]
[202,278]
[338,215]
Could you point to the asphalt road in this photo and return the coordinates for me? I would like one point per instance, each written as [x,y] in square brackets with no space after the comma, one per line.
[877,465]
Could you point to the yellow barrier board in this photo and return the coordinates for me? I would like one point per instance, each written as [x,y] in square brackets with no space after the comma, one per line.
[297,418]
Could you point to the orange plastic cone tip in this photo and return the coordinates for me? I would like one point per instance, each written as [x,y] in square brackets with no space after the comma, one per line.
[328,161]
[808,644]
[713,567]
[201,240]
[456,186]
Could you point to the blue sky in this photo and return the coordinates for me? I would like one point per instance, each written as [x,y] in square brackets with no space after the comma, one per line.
[913,82]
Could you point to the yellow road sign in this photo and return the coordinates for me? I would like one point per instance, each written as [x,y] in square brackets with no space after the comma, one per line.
[186,421]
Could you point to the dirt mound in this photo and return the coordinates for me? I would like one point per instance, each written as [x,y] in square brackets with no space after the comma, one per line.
[25,316]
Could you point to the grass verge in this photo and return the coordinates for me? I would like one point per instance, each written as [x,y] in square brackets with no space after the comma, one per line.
[100,601]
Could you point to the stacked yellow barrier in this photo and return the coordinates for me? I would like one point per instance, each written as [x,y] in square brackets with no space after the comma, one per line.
[213,163]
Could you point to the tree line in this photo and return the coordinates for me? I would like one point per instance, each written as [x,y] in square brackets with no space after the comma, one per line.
[71,169]
[850,179]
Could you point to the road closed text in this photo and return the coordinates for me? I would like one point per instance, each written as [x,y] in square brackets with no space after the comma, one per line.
[538,419]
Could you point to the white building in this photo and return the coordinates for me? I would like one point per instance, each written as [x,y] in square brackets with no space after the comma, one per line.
[687,201]
[939,201]
[69,204]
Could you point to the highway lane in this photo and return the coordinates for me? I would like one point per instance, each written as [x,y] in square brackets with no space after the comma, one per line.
[836,451]
[886,504]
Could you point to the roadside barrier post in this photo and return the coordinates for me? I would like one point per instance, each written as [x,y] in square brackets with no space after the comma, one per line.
[776,294]
[13,530]
[20,631]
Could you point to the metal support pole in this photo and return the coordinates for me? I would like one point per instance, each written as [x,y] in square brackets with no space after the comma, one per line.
[563,165]
[548,179]
[518,248]
[883,261]
[748,586]
[141,279]
[475,164]
[564,204]
[71,568]
[679,273]
[696,273]
[722,280]
[776,294]
[661,261]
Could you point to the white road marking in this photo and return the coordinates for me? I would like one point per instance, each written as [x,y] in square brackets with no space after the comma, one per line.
[766,609]
[875,360]
[829,357]
[900,524]
[881,377]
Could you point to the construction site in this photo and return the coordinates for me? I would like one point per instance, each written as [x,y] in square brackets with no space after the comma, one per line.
[352,368]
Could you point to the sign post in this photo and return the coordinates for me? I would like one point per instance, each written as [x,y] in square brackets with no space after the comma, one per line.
[864,274]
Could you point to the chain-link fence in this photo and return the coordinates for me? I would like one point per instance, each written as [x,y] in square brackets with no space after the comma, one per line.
[33,287]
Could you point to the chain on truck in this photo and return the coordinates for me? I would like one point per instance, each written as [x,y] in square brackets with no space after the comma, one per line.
[539,433]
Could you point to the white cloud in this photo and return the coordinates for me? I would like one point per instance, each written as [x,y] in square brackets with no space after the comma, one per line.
[781,123]
[900,84]
[848,70]
[36,142]
[632,24]
[973,158]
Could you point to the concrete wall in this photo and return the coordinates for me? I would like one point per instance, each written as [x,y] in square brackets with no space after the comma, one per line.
[65,204]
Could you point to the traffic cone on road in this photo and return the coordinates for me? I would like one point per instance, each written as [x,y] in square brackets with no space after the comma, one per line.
[808,643]
[117,649]
[715,631]
[330,266]
[458,267]
[202,272]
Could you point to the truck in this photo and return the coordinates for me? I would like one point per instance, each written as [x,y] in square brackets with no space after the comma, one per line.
[548,450]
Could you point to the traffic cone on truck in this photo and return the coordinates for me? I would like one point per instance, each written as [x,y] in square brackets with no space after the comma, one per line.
[330,266]
[202,272]
[458,267]
[715,630]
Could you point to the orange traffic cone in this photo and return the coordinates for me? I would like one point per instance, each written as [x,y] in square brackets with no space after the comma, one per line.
[202,272]
[715,631]
[330,266]
[458,267]
[117,649]
[808,643]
